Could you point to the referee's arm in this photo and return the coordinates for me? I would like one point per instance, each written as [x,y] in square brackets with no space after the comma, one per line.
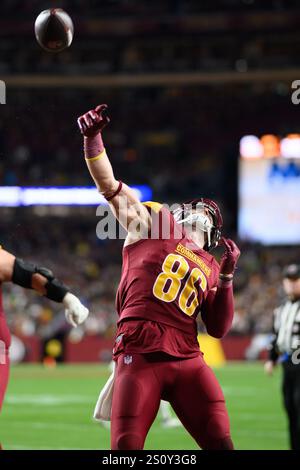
[273,352]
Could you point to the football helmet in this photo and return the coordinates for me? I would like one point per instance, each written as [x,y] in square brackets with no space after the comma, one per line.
[206,214]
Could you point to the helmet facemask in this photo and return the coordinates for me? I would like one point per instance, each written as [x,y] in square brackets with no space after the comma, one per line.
[203,215]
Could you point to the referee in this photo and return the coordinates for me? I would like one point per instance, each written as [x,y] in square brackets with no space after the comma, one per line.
[285,348]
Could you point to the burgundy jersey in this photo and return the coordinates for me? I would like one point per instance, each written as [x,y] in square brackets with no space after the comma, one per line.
[166,279]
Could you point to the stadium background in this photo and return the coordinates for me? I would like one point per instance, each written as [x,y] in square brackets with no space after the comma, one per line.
[184,80]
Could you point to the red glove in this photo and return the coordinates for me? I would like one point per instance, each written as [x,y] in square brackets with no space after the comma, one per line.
[230,257]
[93,122]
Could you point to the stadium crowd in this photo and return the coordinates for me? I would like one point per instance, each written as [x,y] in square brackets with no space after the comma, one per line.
[155,128]
[134,7]
[185,153]
[136,37]
[92,268]
[145,55]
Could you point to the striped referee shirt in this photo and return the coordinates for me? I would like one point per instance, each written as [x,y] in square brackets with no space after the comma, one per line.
[286,329]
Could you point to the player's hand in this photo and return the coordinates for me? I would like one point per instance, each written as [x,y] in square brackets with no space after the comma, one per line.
[93,122]
[269,367]
[75,312]
[230,256]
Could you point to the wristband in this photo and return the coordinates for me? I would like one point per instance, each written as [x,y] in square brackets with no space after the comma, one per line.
[225,277]
[116,192]
[93,146]
[94,159]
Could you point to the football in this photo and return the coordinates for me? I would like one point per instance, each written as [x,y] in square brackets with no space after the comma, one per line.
[54,30]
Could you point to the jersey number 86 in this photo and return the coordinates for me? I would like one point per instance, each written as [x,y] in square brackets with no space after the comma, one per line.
[169,281]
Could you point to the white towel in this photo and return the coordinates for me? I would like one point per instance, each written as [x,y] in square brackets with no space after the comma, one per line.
[102,410]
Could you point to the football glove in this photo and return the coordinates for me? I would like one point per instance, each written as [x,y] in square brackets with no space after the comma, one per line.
[75,312]
[93,122]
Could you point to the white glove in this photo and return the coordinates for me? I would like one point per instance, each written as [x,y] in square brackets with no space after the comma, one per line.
[75,312]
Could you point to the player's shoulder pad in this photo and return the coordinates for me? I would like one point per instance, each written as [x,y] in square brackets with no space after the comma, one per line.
[153,206]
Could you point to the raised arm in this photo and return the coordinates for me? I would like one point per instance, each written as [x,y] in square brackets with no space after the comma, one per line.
[122,199]
[218,308]
[42,280]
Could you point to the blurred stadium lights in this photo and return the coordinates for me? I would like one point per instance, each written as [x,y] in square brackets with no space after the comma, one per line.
[15,196]
[270,146]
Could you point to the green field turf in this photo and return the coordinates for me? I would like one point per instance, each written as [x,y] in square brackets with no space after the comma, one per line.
[52,409]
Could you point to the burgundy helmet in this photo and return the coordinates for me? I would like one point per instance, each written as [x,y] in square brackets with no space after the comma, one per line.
[213,229]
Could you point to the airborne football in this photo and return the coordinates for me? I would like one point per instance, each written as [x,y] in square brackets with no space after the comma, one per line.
[150,231]
[54,30]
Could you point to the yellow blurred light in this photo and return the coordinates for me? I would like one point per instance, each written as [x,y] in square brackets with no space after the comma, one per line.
[53,348]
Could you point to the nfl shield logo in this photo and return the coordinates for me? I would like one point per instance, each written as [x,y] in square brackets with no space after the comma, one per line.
[127,360]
